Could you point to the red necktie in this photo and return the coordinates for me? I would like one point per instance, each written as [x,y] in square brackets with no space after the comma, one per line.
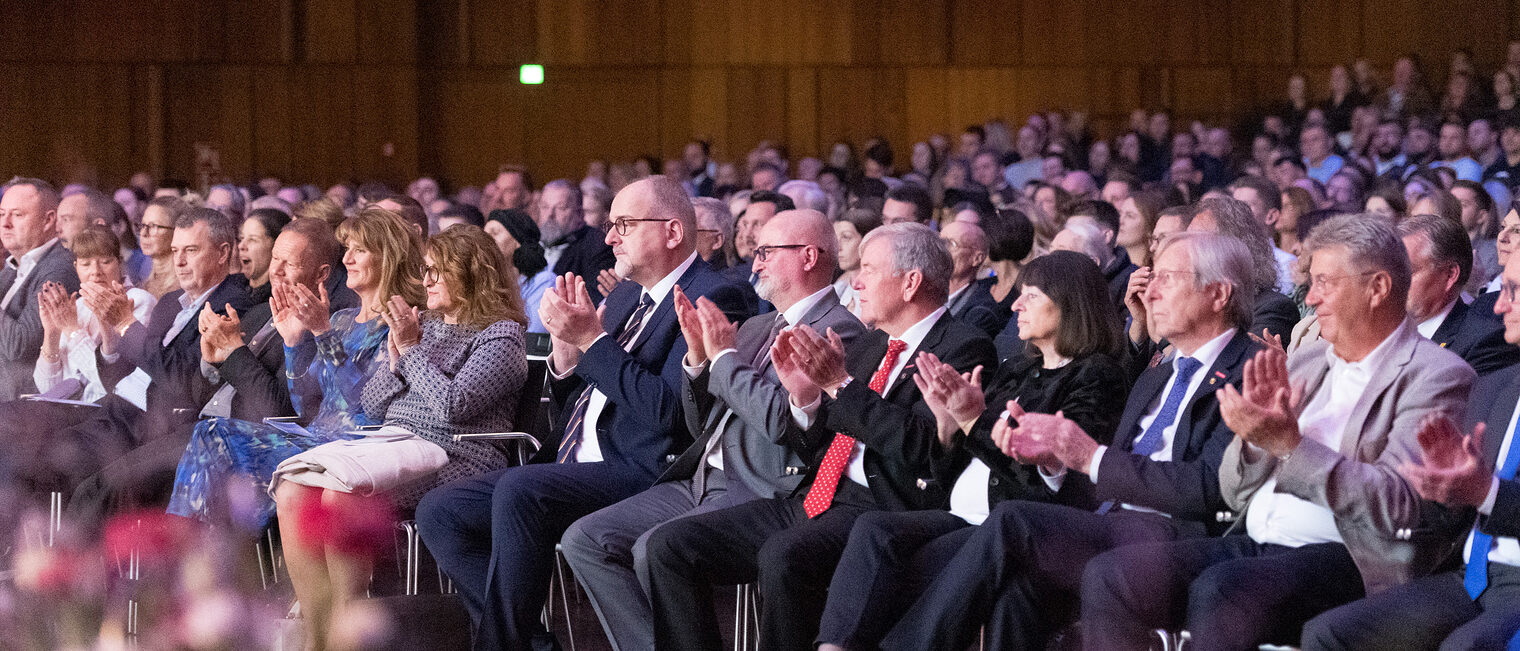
[821,495]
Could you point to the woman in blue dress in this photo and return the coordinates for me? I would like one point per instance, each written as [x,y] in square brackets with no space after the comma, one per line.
[225,471]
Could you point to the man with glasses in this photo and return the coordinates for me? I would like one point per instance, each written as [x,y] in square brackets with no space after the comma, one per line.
[1313,470]
[746,444]
[971,299]
[616,379]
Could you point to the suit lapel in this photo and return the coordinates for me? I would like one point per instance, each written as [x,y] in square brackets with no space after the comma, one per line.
[1499,414]
[1446,335]
[665,311]
[1219,375]
[931,342]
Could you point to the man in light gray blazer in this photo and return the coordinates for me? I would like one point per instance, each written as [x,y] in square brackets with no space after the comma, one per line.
[1313,469]
[747,445]
[28,219]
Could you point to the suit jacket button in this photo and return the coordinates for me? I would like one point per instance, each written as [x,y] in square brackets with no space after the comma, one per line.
[993,481]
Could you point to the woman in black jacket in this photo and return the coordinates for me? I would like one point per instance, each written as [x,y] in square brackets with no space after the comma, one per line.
[1072,338]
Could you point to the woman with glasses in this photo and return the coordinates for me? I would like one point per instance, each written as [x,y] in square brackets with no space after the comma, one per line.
[327,361]
[454,369]
[154,236]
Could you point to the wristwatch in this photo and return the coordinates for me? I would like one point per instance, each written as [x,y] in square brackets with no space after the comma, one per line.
[845,383]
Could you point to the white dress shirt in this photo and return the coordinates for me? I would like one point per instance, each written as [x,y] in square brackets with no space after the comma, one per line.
[24,267]
[1283,519]
[76,356]
[913,336]
[591,447]
[1429,326]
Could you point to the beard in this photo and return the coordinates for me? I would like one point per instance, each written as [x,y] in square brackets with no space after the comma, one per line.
[767,288]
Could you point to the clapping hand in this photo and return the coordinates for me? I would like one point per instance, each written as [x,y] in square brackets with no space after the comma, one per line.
[822,360]
[691,329]
[569,315]
[1052,441]
[311,307]
[220,335]
[798,385]
[1451,471]
[109,303]
[405,326]
[955,398]
[56,308]
[1264,412]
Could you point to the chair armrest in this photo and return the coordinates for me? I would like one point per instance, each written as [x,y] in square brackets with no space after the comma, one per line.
[500,436]
[368,428]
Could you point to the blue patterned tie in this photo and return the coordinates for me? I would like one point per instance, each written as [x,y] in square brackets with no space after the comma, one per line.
[1476,580]
[1152,440]
[574,428]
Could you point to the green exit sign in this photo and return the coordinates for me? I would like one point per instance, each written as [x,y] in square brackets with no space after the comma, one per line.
[531,73]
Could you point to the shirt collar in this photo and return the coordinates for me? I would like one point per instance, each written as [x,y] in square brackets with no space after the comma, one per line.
[915,333]
[794,314]
[186,301]
[1374,358]
[1433,323]
[1209,352]
[31,257]
[660,289]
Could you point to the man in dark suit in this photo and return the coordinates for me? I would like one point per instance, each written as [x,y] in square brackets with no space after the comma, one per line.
[873,443]
[747,447]
[242,355]
[28,219]
[1478,605]
[616,382]
[570,246]
[1440,257]
[1312,470]
[971,301]
[1157,482]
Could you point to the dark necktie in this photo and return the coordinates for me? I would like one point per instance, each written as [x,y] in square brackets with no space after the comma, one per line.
[1153,438]
[821,495]
[571,443]
[1476,579]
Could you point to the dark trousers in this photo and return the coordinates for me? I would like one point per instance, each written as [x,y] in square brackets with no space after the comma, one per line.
[606,550]
[1427,613]
[771,542]
[890,558]
[1018,574]
[1236,593]
[494,535]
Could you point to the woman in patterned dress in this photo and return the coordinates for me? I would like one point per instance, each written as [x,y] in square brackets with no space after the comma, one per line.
[456,368]
[225,471]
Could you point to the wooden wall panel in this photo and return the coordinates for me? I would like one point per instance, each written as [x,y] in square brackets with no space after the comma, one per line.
[324,90]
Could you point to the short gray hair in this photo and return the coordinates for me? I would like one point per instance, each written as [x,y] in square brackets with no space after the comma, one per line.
[714,214]
[238,206]
[806,194]
[576,208]
[916,246]
[46,193]
[1372,244]
[1218,259]
[1093,244]
[223,229]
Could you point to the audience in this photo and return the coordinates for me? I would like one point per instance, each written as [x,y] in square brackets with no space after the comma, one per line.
[1199,247]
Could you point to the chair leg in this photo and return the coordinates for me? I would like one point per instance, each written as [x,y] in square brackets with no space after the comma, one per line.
[564,600]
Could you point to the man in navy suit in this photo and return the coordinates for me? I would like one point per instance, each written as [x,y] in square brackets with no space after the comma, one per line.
[1440,256]
[616,381]
[873,443]
[1474,606]
[1159,481]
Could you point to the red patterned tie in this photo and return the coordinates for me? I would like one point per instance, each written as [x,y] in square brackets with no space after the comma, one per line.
[821,495]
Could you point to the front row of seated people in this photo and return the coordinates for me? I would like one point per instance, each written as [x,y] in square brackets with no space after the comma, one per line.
[891,486]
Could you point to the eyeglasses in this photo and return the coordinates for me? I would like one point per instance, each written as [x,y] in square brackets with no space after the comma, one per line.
[1330,283]
[1169,277]
[621,224]
[763,252]
[430,275]
[153,228]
